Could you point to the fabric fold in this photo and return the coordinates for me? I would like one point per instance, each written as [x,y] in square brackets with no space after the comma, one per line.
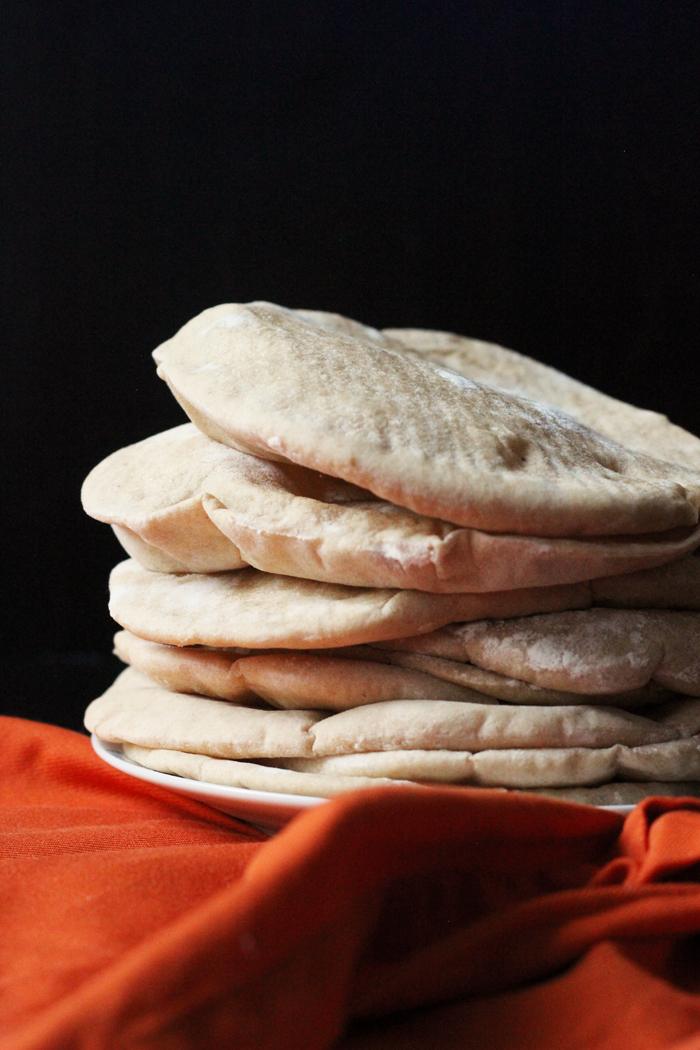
[479,912]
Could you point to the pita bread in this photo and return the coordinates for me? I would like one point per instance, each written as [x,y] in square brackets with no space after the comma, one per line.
[512,768]
[158,560]
[348,679]
[675,761]
[206,672]
[399,725]
[298,680]
[134,710]
[620,793]
[250,775]
[672,586]
[637,428]
[419,436]
[514,691]
[180,502]
[260,610]
[532,767]
[286,680]
[545,767]
[340,325]
[450,767]
[570,772]
[681,712]
[595,651]
[138,711]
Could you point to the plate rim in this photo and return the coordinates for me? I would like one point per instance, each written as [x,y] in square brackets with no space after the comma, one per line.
[114,756]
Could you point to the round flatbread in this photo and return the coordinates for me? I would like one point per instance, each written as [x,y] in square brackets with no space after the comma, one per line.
[139,711]
[206,672]
[261,610]
[514,691]
[400,725]
[180,502]
[287,680]
[675,761]
[267,382]
[592,651]
[675,585]
[136,711]
[251,775]
[449,767]
[312,681]
[588,775]
[637,428]
[345,678]
[620,793]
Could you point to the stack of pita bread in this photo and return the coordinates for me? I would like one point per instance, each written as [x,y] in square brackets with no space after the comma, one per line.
[401,556]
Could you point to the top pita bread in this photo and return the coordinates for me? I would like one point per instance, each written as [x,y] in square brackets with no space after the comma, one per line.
[260,379]
[181,502]
[637,428]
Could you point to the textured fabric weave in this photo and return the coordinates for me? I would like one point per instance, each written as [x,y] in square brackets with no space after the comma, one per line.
[397,919]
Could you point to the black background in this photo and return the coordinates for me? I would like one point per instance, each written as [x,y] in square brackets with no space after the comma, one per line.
[522,172]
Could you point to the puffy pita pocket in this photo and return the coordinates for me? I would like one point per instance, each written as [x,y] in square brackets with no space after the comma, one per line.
[376,544]
[674,761]
[672,586]
[135,710]
[349,677]
[620,793]
[638,428]
[577,774]
[151,493]
[250,775]
[429,440]
[513,691]
[440,724]
[286,679]
[260,610]
[203,671]
[179,502]
[450,767]
[544,767]
[298,680]
[677,760]
[596,651]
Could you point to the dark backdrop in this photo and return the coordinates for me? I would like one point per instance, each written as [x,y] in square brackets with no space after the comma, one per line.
[524,172]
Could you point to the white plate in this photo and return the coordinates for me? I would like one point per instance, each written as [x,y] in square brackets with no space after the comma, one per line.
[268,810]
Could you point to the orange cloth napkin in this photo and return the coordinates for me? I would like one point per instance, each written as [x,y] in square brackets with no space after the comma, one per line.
[396,919]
